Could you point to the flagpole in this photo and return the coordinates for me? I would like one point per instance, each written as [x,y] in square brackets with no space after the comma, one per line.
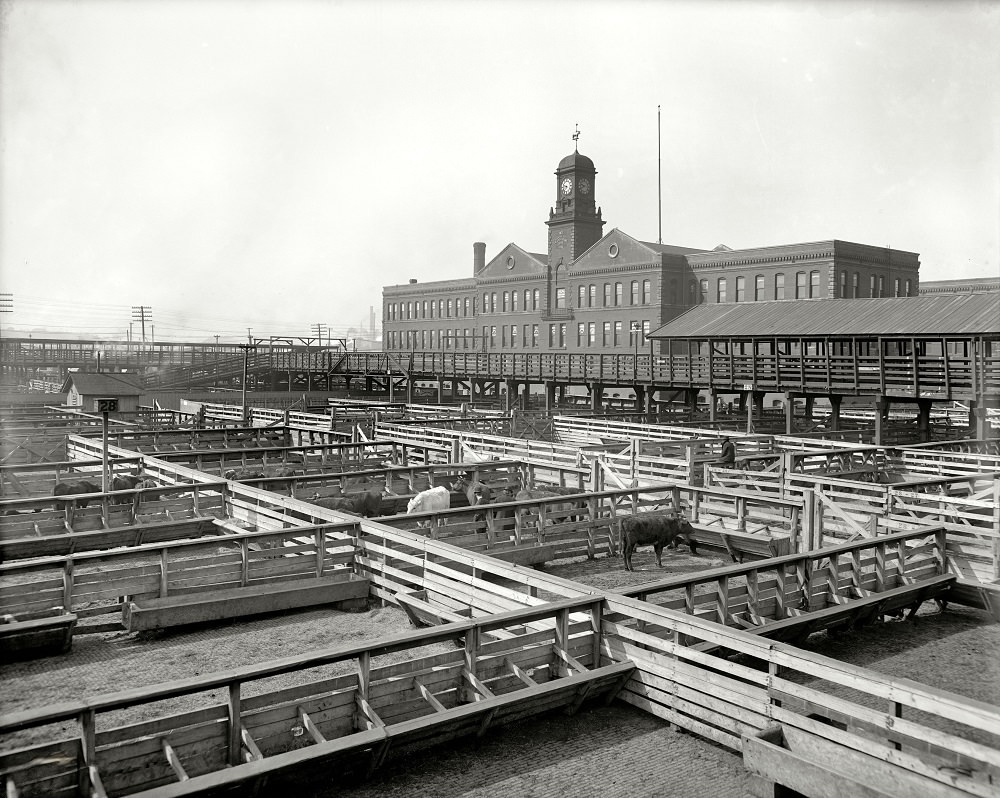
[659,185]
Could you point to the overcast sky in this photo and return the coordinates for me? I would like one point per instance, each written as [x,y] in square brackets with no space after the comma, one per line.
[274,164]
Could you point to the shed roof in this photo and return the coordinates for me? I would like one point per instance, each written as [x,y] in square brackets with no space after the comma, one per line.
[946,314]
[104,384]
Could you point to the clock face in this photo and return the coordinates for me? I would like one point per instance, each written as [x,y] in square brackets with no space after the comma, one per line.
[584,186]
[567,186]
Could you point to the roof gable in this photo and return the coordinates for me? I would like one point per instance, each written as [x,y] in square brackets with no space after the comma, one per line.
[88,383]
[945,314]
[615,249]
[512,261]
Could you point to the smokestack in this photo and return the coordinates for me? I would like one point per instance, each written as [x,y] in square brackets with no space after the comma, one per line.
[478,257]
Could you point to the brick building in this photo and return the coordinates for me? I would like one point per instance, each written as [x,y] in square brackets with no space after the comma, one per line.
[594,292]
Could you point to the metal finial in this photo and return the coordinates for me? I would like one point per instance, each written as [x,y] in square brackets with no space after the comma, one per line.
[576,137]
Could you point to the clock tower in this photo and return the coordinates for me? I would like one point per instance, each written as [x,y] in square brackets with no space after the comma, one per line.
[575,222]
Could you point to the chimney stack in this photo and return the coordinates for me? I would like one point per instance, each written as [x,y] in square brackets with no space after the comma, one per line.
[478,257]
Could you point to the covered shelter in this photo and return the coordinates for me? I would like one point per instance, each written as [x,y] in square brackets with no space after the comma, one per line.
[83,387]
[923,349]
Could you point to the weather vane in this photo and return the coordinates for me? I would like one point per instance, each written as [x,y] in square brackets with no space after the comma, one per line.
[576,136]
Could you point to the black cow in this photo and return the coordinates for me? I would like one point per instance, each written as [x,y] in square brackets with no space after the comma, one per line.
[655,530]
[124,482]
[367,504]
[73,488]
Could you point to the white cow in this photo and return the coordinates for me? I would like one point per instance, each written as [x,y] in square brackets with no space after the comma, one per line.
[430,501]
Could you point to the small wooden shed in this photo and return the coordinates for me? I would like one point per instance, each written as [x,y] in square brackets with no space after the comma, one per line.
[83,387]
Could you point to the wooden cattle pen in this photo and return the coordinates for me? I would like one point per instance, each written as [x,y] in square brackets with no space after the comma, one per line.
[823,534]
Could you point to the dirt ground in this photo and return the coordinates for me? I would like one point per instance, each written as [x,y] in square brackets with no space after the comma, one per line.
[615,750]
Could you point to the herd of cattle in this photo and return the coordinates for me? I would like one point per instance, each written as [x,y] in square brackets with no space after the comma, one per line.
[646,529]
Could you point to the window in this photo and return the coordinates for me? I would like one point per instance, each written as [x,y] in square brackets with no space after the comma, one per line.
[534,335]
[513,301]
[486,303]
[647,292]
[814,285]
[635,292]
[606,337]
[895,287]
[907,288]
[618,295]
[581,335]
[703,292]
[645,330]
[527,300]
[741,289]
[592,334]
[800,285]
[881,285]
[486,335]
[607,295]
[493,337]
[562,335]
[506,301]
[872,286]
[720,291]
[527,336]
[693,292]
[618,333]
[758,288]
[843,285]
[779,286]
[450,307]
[592,301]
[423,339]
[581,296]
[534,299]
[513,333]
[856,285]
[493,303]
[560,297]
[552,336]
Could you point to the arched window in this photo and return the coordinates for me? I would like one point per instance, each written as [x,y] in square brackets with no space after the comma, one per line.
[506,301]
[635,292]
[618,295]
[843,285]
[720,290]
[647,292]
[493,304]
[895,287]
[581,296]
[758,288]
[741,289]
[592,300]
[703,288]
[607,295]
[856,286]
[814,285]
[800,285]
[872,286]
[513,304]
[779,286]
[534,299]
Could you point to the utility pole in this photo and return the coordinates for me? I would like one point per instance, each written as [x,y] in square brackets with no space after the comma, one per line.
[142,313]
[246,363]
[216,340]
[318,329]
[6,303]
[249,336]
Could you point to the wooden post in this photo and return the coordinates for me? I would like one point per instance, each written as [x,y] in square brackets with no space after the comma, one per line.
[163,573]
[467,694]
[596,615]
[67,599]
[88,750]
[235,736]
[808,522]
[562,639]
